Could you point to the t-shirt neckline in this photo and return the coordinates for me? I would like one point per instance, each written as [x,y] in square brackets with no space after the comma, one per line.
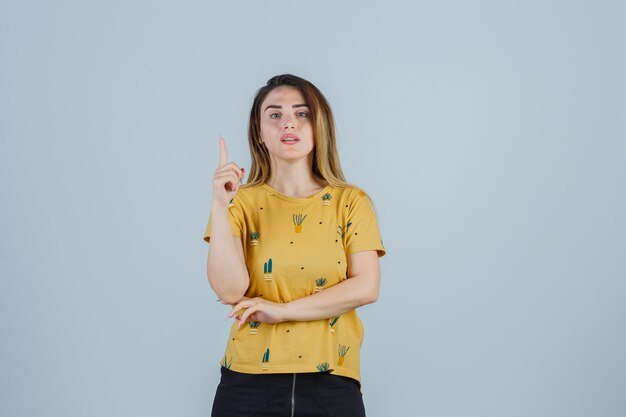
[278,194]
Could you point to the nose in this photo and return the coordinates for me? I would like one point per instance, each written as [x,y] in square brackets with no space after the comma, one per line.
[289,124]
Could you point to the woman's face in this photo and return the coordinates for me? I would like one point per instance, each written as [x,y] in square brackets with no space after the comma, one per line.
[284,114]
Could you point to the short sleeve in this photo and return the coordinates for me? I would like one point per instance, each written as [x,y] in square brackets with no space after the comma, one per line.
[362,231]
[235,217]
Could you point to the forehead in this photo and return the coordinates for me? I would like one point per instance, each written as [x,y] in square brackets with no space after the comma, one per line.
[284,95]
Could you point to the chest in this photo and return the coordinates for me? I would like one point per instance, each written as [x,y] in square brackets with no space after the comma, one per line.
[294,251]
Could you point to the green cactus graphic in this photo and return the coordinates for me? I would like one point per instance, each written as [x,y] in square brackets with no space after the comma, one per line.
[267,270]
[332,323]
[326,199]
[254,325]
[323,367]
[319,284]
[343,349]
[266,358]
[230,203]
[342,230]
[254,238]
[298,220]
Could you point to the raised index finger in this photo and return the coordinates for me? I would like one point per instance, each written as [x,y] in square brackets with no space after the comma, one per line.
[223,153]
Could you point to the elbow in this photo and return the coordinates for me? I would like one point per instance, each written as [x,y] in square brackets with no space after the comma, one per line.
[229,295]
[372,296]
[369,289]
[231,298]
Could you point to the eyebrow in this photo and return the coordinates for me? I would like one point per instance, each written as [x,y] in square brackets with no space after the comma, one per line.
[273,106]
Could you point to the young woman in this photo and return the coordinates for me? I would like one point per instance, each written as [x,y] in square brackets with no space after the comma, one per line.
[295,251]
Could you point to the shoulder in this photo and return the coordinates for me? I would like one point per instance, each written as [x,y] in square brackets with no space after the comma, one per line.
[357,201]
[351,192]
[247,193]
[243,200]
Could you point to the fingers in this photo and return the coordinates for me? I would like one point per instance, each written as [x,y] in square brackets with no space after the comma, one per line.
[224,160]
[231,167]
[235,309]
[250,309]
[228,177]
[251,305]
[223,152]
[247,314]
[245,302]
[225,166]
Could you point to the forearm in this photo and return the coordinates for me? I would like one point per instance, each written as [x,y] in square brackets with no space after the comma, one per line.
[226,268]
[331,302]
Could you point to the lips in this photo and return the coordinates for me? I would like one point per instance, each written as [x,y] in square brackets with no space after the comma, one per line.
[289,136]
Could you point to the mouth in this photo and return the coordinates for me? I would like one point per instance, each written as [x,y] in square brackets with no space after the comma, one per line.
[289,138]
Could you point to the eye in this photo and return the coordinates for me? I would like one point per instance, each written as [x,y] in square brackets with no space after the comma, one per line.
[272,115]
[304,113]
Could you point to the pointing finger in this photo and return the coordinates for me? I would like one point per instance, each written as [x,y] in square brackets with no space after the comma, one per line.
[223,152]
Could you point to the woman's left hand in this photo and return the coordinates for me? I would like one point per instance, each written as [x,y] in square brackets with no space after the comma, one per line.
[258,309]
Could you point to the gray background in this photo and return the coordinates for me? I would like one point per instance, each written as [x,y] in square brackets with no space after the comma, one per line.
[490,134]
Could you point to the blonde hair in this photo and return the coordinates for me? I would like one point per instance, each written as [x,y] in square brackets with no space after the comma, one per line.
[326,165]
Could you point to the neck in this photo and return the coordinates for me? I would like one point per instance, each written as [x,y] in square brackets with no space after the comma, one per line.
[294,178]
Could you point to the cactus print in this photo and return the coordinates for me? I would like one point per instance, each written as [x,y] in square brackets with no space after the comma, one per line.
[295,248]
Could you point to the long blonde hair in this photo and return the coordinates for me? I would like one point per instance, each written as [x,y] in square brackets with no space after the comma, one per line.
[326,165]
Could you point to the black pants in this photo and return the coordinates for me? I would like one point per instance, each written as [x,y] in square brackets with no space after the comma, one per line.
[310,394]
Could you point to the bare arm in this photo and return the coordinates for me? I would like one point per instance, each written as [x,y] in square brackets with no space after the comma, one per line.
[226,267]
[362,287]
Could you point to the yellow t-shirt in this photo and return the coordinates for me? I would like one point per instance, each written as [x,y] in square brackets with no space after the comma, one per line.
[295,247]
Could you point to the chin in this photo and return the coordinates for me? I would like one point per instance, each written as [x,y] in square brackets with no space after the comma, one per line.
[290,156]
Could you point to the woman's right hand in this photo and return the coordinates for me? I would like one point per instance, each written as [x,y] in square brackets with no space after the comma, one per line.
[226,178]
